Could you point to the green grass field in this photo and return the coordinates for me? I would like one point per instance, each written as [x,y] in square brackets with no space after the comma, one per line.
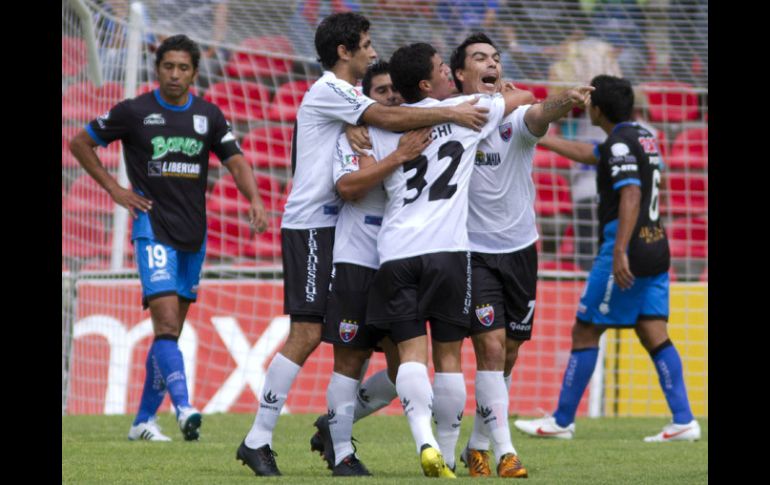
[605,451]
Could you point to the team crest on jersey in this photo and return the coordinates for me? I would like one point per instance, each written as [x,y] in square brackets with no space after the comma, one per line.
[485,314]
[201,124]
[348,330]
[506,131]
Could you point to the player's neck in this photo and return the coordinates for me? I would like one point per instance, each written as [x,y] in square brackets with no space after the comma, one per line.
[607,126]
[342,71]
[176,101]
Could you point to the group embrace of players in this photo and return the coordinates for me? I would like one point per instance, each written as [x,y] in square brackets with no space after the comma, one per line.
[409,205]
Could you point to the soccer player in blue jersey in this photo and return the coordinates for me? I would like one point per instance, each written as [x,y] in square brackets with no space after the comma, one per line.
[167,135]
[628,286]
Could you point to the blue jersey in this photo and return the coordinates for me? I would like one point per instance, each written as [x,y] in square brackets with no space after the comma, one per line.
[630,156]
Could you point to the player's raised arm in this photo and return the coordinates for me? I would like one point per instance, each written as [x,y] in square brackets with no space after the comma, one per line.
[553,108]
[402,118]
[355,184]
[574,150]
[515,97]
[82,147]
[244,180]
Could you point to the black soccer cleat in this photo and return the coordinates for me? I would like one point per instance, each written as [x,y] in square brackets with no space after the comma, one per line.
[350,466]
[261,461]
[324,437]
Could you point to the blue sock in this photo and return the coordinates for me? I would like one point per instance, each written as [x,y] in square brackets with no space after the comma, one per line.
[171,364]
[669,367]
[154,389]
[579,369]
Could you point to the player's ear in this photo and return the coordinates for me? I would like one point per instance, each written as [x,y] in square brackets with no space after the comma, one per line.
[458,74]
[343,52]
[424,85]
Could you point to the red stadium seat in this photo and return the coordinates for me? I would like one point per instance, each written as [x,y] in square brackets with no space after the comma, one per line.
[266,245]
[687,193]
[83,101]
[662,143]
[109,156]
[688,238]
[268,146]
[240,101]
[83,237]
[690,150]
[548,160]
[87,196]
[73,55]
[670,101]
[540,91]
[553,194]
[249,64]
[565,255]
[226,235]
[287,100]
[226,198]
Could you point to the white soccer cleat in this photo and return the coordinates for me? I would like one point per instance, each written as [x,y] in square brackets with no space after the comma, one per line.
[149,430]
[189,420]
[545,428]
[677,432]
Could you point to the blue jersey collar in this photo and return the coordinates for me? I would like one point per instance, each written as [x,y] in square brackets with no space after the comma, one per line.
[171,107]
[622,124]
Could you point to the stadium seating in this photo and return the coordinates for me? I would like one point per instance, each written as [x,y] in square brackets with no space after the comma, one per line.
[83,236]
[226,234]
[226,198]
[266,245]
[83,101]
[149,86]
[269,146]
[109,156]
[73,55]
[287,100]
[248,64]
[240,101]
[86,196]
[690,150]
[671,102]
[687,193]
[553,194]
[688,238]
[565,255]
[548,160]
[540,91]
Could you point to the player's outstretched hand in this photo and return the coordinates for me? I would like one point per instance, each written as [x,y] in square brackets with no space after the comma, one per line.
[414,142]
[470,116]
[358,137]
[258,215]
[130,200]
[621,271]
[580,96]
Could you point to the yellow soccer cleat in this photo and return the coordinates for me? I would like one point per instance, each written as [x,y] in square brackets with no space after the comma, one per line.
[433,464]
[477,462]
[510,467]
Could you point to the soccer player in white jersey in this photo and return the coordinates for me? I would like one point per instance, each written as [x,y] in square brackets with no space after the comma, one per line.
[358,180]
[424,260]
[502,233]
[307,230]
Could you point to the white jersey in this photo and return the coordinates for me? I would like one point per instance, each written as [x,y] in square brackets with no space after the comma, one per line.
[355,239]
[501,203]
[427,205]
[326,108]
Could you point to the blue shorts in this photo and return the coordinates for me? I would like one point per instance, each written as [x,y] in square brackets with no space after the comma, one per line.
[603,303]
[165,271]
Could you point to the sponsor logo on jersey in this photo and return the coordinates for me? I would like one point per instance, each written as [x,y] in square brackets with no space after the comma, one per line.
[506,131]
[101,119]
[520,327]
[348,95]
[485,314]
[157,168]
[617,169]
[348,330]
[160,275]
[175,144]
[200,124]
[651,234]
[155,119]
[483,158]
[620,149]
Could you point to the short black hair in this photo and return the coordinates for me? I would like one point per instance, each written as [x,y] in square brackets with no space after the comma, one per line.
[376,69]
[179,42]
[457,61]
[408,66]
[339,29]
[614,96]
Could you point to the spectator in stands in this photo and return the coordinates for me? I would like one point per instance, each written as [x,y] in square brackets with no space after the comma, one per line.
[113,37]
[621,24]
[308,14]
[204,20]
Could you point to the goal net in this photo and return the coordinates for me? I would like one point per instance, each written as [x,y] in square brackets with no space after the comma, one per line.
[258,60]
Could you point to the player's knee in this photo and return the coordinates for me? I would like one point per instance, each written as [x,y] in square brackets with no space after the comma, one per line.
[651,334]
[302,341]
[511,354]
[492,354]
[585,335]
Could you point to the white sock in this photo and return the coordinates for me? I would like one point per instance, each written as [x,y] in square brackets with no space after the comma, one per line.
[492,399]
[375,393]
[508,380]
[449,396]
[341,399]
[414,390]
[479,439]
[278,381]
